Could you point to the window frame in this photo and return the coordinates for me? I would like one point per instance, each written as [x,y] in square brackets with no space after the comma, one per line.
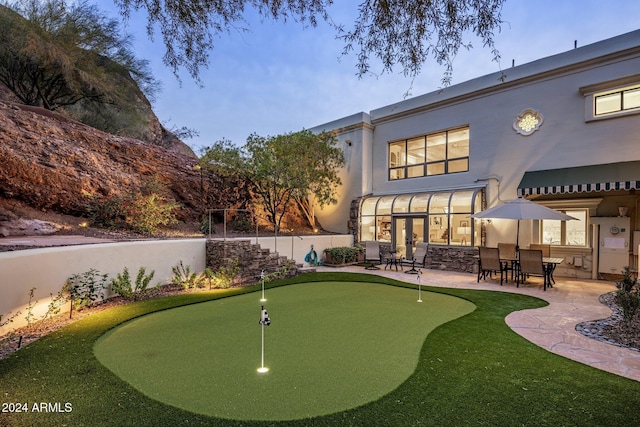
[563,228]
[406,169]
[593,92]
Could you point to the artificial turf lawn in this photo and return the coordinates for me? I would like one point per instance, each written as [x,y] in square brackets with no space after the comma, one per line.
[331,346]
[471,371]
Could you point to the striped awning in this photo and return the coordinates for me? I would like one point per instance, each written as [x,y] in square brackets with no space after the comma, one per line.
[582,179]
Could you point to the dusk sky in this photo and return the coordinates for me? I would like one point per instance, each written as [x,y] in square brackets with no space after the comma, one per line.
[280,77]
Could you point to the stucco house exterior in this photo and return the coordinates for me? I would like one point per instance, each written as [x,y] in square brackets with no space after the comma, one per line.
[563,131]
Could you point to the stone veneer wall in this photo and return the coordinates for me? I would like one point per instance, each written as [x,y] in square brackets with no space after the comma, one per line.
[456,258]
[252,259]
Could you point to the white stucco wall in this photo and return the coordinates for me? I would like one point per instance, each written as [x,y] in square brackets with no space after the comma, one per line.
[355,137]
[499,156]
[48,269]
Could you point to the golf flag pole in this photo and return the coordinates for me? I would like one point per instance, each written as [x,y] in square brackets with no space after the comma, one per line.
[264,321]
[263,299]
[419,286]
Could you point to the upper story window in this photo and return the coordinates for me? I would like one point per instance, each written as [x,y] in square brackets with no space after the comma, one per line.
[434,154]
[615,98]
[619,101]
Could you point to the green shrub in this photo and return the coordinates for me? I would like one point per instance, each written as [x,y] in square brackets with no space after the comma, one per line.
[106,211]
[343,254]
[86,288]
[282,273]
[145,213]
[122,285]
[207,228]
[628,295]
[183,276]
[242,222]
[142,211]
[224,277]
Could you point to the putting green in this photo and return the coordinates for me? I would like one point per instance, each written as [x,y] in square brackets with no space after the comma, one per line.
[331,346]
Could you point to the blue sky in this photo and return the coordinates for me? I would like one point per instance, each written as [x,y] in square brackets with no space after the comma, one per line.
[282,77]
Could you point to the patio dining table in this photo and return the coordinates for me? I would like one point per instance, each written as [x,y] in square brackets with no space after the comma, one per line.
[550,264]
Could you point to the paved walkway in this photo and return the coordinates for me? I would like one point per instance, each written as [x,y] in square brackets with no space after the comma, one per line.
[571,301]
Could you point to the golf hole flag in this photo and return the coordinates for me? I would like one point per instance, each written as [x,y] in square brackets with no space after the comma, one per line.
[264,317]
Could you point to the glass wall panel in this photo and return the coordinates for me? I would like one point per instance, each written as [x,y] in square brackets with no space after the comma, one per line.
[396,174]
[369,206]
[415,151]
[384,228]
[415,171]
[435,168]
[458,143]
[368,228]
[441,218]
[397,155]
[631,99]
[460,165]
[566,233]
[439,204]
[420,202]
[577,230]
[384,205]
[401,203]
[461,201]
[437,147]
[608,103]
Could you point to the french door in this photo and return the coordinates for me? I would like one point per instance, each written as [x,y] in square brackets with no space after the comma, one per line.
[406,233]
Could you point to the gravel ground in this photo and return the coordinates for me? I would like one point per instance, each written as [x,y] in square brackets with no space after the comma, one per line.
[613,330]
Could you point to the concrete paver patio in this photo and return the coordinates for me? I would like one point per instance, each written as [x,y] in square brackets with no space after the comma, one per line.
[571,301]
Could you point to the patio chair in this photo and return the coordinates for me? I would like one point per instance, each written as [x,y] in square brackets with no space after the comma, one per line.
[489,263]
[509,257]
[419,258]
[531,264]
[372,254]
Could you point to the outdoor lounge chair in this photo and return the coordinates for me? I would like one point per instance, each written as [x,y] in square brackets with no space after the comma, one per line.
[489,263]
[419,258]
[372,254]
[531,264]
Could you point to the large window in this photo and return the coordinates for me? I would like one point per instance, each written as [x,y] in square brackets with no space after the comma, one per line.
[444,218]
[435,154]
[566,233]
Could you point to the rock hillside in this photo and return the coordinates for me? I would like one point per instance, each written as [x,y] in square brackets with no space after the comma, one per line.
[50,162]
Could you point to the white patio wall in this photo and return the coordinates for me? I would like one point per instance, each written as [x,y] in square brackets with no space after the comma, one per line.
[47,269]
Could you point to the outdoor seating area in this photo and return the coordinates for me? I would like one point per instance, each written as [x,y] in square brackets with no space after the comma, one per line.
[521,264]
[392,260]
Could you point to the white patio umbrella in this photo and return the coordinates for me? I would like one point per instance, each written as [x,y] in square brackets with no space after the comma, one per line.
[519,209]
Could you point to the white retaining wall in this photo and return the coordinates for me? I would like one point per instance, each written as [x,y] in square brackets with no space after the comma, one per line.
[47,269]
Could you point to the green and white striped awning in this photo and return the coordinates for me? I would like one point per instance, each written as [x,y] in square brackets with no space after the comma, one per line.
[582,179]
